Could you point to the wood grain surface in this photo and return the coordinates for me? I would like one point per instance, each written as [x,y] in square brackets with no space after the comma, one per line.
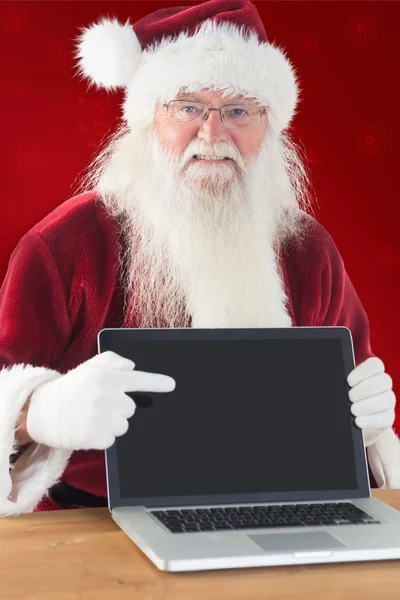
[83,555]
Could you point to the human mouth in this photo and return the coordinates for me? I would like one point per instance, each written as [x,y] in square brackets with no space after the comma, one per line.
[210,158]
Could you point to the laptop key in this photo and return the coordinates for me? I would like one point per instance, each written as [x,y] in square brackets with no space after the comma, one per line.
[216,521]
[249,525]
[374,522]
[177,529]
[344,522]
[358,521]
[278,525]
[191,528]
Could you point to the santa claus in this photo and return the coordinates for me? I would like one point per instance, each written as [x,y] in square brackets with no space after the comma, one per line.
[197,214]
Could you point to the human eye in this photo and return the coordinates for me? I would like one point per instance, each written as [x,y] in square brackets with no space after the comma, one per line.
[236,113]
[189,109]
[186,110]
[239,112]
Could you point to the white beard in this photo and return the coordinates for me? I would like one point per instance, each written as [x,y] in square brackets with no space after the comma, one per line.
[200,250]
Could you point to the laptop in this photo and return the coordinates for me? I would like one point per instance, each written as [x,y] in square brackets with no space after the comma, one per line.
[253,460]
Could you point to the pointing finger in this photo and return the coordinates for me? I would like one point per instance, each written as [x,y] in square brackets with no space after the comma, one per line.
[140,381]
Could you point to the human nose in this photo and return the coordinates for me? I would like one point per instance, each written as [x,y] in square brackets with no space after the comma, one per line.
[212,129]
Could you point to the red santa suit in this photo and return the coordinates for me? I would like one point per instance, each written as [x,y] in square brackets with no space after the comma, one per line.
[63,286]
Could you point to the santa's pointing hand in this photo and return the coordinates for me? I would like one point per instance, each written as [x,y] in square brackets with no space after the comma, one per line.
[373,399]
[87,408]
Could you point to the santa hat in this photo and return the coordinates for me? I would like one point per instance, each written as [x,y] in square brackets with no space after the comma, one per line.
[219,44]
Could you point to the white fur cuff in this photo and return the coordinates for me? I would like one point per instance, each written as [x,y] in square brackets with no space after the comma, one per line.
[384,460]
[23,485]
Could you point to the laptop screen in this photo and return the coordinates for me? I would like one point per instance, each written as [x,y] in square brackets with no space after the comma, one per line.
[248,416]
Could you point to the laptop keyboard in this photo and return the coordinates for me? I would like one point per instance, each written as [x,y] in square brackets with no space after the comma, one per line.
[262,517]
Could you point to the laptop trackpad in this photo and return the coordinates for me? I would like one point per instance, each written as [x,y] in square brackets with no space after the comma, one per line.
[297,542]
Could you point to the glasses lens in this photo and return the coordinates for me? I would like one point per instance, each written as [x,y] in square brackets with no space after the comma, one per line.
[185,111]
[240,116]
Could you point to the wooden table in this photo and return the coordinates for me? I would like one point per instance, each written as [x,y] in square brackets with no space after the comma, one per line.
[83,555]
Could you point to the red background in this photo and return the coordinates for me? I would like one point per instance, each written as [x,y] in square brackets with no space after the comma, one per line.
[347,56]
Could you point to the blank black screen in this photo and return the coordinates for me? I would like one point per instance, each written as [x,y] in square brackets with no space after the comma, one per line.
[247,416]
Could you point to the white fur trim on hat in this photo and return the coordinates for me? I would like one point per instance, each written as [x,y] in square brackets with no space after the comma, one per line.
[23,484]
[219,56]
[108,53]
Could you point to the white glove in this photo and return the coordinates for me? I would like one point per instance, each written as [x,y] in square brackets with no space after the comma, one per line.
[372,397]
[87,408]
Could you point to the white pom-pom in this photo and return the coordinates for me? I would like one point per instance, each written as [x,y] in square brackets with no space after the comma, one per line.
[108,53]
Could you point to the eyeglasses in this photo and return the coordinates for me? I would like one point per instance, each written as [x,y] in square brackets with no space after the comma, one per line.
[233,116]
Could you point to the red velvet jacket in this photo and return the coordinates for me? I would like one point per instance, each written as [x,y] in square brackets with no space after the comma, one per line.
[62,287]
